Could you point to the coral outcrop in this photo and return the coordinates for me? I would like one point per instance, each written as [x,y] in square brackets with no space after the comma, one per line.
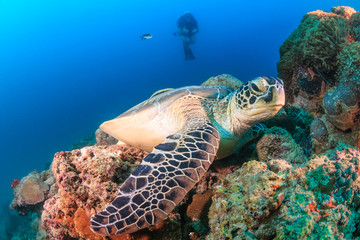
[32,190]
[87,180]
[308,56]
[320,65]
[102,138]
[223,80]
[277,143]
[316,201]
[355,26]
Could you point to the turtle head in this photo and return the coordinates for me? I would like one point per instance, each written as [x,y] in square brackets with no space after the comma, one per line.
[258,100]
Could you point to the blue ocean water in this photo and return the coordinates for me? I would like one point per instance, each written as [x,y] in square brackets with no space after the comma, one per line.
[67,66]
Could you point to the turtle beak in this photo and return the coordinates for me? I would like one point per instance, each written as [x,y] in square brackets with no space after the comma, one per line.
[280,93]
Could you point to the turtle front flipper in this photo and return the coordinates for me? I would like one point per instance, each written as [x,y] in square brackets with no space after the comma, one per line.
[161,181]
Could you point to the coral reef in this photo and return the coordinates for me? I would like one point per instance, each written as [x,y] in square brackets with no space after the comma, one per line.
[308,56]
[277,143]
[348,61]
[103,138]
[86,178]
[19,227]
[223,80]
[296,122]
[341,105]
[355,27]
[346,12]
[320,65]
[316,201]
[31,191]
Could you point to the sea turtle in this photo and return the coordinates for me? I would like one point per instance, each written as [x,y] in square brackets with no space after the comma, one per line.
[184,130]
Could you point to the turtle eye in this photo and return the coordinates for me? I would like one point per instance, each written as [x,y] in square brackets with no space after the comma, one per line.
[258,86]
[254,87]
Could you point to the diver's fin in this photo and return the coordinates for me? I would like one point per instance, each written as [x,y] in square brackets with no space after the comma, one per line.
[188,52]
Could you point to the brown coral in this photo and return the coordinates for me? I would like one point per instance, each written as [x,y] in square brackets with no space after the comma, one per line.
[223,80]
[341,105]
[102,138]
[278,144]
[31,191]
[86,178]
[199,205]
[82,225]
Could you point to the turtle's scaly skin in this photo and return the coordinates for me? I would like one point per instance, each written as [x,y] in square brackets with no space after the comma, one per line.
[185,130]
[160,182]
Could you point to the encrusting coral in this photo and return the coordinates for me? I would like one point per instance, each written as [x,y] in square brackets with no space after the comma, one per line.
[341,105]
[316,201]
[313,47]
[320,65]
[88,179]
[348,62]
[355,26]
[277,143]
[31,191]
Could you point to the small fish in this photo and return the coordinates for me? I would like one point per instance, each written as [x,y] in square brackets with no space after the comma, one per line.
[145,36]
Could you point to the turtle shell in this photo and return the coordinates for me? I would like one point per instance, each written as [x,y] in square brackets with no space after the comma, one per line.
[148,123]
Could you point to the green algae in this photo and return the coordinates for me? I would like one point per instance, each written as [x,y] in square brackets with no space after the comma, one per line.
[349,63]
[317,178]
[355,26]
[316,43]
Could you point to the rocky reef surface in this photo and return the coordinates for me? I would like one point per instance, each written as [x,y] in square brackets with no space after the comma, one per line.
[299,180]
[317,199]
[320,65]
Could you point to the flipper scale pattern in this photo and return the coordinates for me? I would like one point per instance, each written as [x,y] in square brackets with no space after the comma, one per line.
[160,182]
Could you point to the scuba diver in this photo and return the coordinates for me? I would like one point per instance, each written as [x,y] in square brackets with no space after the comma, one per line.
[187,27]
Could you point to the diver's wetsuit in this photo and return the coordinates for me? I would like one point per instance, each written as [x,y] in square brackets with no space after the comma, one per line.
[187,28]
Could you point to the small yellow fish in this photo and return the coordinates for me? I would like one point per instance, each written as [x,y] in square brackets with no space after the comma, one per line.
[145,36]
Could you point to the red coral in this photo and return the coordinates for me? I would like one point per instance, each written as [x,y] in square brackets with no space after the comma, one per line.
[15,183]
[312,206]
[351,38]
